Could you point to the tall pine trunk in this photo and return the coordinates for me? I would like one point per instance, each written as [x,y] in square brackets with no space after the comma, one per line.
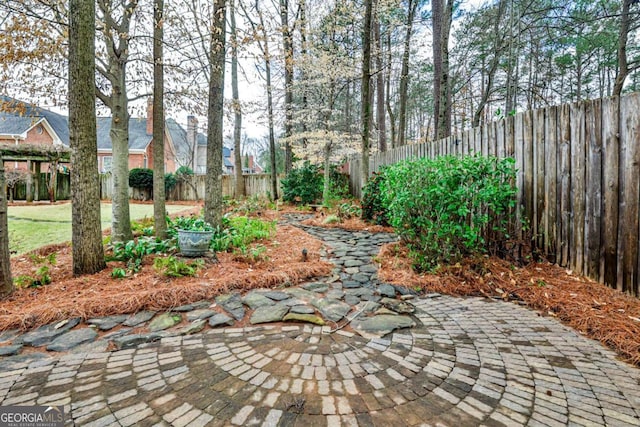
[159,197]
[404,74]
[366,87]
[237,111]
[6,282]
[287,45]
[213,179]
[380,113]
[86,235]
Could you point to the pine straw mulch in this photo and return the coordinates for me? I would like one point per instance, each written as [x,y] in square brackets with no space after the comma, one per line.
[100,295]
[593,309]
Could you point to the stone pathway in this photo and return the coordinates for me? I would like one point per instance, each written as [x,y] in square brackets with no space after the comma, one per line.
[366,354]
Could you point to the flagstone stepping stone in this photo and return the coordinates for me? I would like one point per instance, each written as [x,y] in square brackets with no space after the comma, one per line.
[200,314]
[108,322]
[368,268]
[194,327]
[387,290]
[350,284]
[46,334]
[353,263]
[351,299]
[220,320]
[331,309]
[302,309]
[139,318]
[401,307]
[277,295]
[190,307]
[9,335]
[115,334]
[10,350]
[301,293]
[367,306]
[232,304]
[316,287]
[308,318]
[164,321]
[72,339]
[361,277]
[134,340]
[269,314]
[256,299]
[378,326]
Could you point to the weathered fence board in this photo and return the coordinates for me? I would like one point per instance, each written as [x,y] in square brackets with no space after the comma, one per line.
[578,181]
[629,191]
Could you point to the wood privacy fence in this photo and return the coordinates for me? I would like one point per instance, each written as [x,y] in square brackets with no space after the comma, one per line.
[255,185]
[578,179]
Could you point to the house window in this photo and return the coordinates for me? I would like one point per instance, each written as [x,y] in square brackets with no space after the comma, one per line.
[39,129]
[106,163]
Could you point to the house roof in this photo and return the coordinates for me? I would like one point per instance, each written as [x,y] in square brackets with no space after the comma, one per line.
[139,139]
[18,117]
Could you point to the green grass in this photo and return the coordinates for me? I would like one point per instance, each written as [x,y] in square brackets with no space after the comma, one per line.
[34,226]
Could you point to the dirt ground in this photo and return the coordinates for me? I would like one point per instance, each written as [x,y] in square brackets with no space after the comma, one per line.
[591,308]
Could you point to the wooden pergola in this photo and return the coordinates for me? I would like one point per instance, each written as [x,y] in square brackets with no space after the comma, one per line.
[34,156]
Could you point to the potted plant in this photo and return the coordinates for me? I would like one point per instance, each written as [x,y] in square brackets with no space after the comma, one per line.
[194,235]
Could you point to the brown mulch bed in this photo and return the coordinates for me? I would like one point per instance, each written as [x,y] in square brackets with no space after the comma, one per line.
[100,295]
[593,309]
[351,224]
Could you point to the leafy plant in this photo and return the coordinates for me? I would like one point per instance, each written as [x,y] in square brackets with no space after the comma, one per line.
[191,223]
[373,207]
[239,232]
[133,251]
[119,273]
[450,207]
[41,276]
[332,219]
[338,184]
[173,267]
[303,184]
[348,210]
[251,254]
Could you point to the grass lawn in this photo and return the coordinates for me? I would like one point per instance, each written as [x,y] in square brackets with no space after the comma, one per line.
[33,226]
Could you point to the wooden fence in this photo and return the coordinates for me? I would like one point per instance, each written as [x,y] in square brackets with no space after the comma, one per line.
[255,185]
[578,179]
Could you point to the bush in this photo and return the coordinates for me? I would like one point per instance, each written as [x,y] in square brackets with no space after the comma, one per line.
[338,184]
[446,208]
[141,179]
[302,185]
[373,208]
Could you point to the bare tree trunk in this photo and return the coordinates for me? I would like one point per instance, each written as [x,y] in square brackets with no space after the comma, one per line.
[366,87]
[442,11]
[237,111]
[623,35]
[303,54]
[117,101]
[213,179]
[404,74]
[6,282]
[287,45]
[159,197]
[380,113]
[86,236]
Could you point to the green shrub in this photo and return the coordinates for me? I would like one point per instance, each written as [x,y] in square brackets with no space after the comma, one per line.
[338,184]
[141,178]
[133,251]
[170,181]
[302,185]
[373,207]
[41,275]
[446,208]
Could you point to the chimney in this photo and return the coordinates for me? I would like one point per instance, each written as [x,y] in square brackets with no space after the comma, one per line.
[192,139]
[149,116]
